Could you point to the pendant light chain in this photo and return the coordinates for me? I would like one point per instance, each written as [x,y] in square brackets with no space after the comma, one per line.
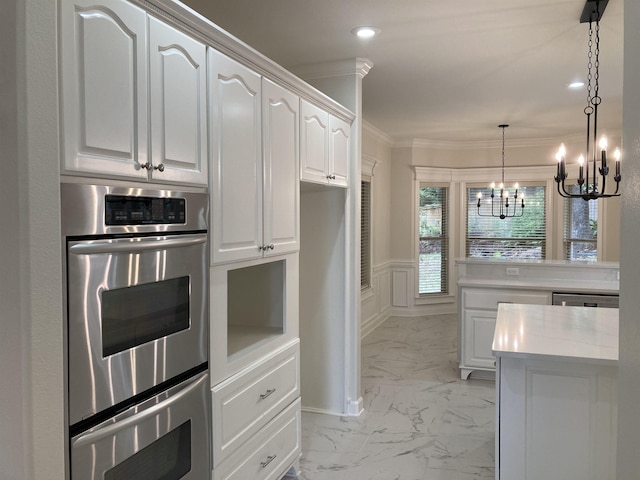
[503,127]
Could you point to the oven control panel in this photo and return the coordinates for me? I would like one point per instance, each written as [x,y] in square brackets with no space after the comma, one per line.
[138,210]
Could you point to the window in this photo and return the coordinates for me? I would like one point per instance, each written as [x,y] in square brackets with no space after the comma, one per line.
[365,234]
[433,241]
[580,219]
[519,237]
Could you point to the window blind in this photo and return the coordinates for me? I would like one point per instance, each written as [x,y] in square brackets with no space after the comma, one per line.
[519,237]
[433,240]
[365,234]
[580,220]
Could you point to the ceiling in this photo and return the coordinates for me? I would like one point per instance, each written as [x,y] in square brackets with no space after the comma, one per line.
[447,70]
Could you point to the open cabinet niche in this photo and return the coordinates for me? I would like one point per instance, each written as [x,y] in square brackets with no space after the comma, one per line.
[322,298]
[254,311]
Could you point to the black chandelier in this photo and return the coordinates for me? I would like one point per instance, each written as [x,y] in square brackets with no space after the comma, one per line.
[590,188]
[500,206]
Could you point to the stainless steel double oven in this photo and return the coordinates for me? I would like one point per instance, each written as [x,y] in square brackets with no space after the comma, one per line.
[137,332]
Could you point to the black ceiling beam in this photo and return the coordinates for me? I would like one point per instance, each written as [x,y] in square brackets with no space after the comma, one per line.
[593,10]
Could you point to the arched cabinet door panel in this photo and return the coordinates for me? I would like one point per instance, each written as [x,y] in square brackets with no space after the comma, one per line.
[236,155]
[178,92]
[103,55]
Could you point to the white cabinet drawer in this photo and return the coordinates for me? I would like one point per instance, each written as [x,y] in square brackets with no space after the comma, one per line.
[490,298]
[246,402]
[269,454]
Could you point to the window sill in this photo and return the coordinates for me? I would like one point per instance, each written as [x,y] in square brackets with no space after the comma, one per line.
[434,300]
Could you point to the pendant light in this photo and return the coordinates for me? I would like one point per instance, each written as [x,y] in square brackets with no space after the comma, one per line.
[501,206]
[591,185]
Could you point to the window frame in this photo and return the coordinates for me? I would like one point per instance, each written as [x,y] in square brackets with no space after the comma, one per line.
[446,260]
[366,244]
[547,213]
[566,241]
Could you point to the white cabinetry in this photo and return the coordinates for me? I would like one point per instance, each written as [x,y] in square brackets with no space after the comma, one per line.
[245,403]
[254,175]
[556,392]
[255,367]
[178,93]
[324,146]
[557,419]
[479,309]
[133,95]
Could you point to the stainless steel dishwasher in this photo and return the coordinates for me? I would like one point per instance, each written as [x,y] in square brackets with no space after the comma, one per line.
[585,300]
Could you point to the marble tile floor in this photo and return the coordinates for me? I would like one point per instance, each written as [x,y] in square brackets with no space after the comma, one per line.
[421,422]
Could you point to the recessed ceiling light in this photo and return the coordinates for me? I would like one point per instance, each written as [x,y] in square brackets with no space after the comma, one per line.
[576,85]
[365,31]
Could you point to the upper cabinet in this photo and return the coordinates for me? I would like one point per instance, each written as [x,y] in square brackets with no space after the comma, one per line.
[324,147]
[254,174]
[178,92]
[133,95]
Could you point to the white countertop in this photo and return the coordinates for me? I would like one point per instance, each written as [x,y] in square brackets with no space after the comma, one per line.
[564,333]
[549,275]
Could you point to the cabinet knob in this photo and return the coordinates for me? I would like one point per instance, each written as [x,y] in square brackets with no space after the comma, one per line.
[160,168]
[147,166]
[272,246]
[331,177]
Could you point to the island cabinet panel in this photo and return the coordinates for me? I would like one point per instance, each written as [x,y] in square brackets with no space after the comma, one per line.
[557,420]
[478,313]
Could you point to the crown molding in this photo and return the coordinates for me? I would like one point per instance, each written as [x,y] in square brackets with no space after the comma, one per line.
[484,144]
[341,68]
[369,165]
[378,134]
[207,32]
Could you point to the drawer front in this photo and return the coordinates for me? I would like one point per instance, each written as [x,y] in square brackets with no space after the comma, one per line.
[246,402]
[269,454]
[489,299]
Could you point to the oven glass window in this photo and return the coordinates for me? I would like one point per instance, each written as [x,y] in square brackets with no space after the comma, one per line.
[135,315]
[168,458]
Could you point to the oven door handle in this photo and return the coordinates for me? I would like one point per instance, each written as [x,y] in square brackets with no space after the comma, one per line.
[127,246]
[110,430]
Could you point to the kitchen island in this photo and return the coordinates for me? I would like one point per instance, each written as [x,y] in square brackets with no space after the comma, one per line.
[556,397]
[485,283]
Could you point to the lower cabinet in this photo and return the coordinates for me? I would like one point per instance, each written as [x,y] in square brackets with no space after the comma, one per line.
[270,453]
[256,418]
[556,419]
[477,316]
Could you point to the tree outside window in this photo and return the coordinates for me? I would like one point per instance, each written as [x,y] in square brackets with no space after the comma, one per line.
[433,240]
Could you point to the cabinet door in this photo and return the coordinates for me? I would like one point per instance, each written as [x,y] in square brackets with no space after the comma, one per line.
[478,338]
[236,154]
[103,55]
[178,108]
[314,143]
[281,206]
[339,151]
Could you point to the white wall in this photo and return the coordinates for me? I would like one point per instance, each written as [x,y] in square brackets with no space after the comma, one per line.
[376,160]
[629,366]
[32,433]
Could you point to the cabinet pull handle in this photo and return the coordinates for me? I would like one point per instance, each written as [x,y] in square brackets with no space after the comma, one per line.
[269,459]
[267,393]
[150,166]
